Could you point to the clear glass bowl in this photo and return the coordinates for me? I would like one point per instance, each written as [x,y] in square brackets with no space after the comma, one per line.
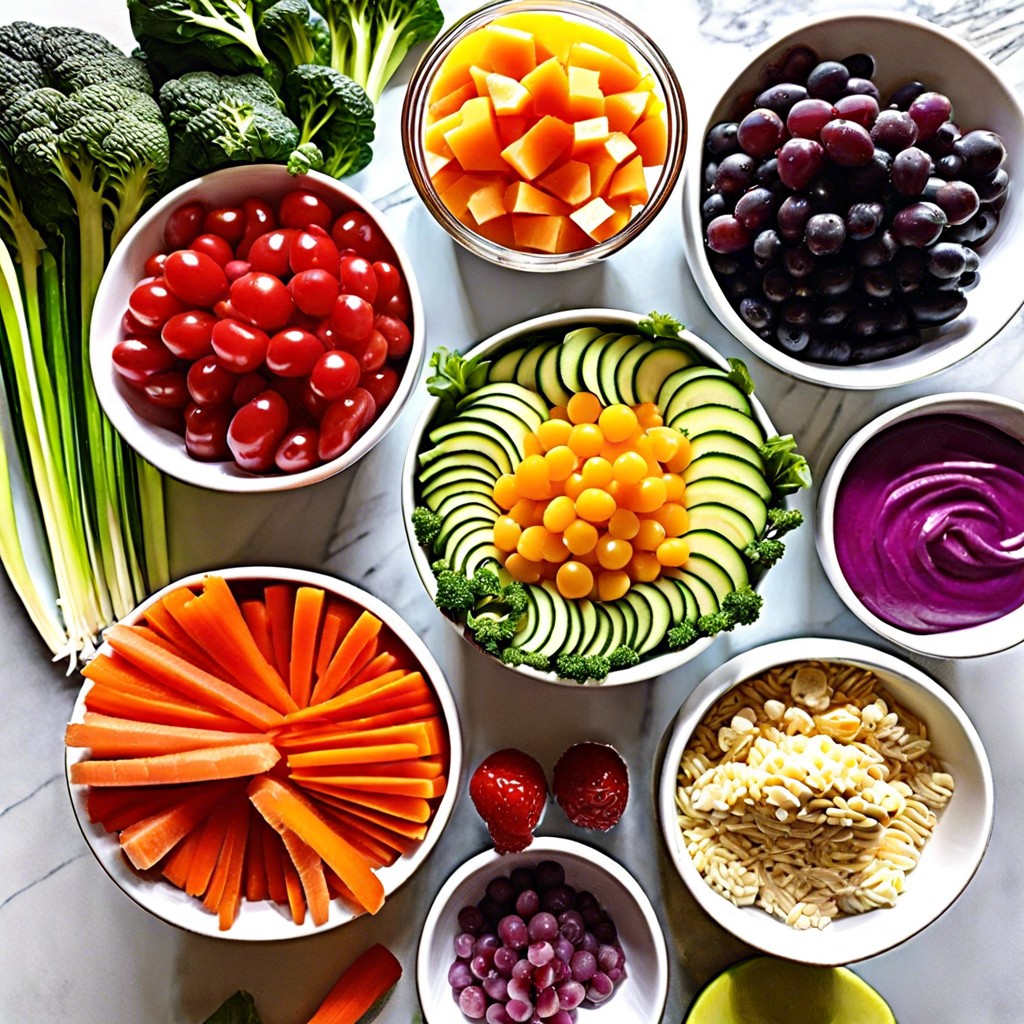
[650,59]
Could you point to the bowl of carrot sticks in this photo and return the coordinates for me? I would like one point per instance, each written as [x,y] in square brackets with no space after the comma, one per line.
[262,753]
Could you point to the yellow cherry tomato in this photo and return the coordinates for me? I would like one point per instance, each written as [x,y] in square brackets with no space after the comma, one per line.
[558,412]
[506,533]
[580,537]
[552,433]
[624,524]
[629,468]
[573,485]
[531,543]
[596,472]
[675,488]
[561,462]
[644,567]
[554,549]
[583,407]
[524,512]
[617,422]
[586,440]
[574,579]
[532,478]
[613,553]
[560,512]
[505,493]
[522,569]
[595,505]
[532,445]
[664,442]
[682,457]
[650,534]
[612,584]
[673,517]
[673,552]
[650,494]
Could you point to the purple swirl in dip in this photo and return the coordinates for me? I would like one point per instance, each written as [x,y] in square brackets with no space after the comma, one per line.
[929,523]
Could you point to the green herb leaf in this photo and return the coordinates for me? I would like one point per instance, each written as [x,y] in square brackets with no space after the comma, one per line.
[455,376]
[787,470]
[239,1009]
[740,376]
[661,325]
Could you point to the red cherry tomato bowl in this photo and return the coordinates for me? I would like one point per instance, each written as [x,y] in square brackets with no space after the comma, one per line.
[266,337]
[265,919]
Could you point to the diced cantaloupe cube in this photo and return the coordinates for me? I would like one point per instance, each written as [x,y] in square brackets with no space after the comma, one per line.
[585,96]
[479,76]
[522,197]
[624,109]
[433,134]
[498,231]
[507,95]
[475,142]
[621,214]
[647,83]
[436,162]
[531,155]
[454,70]
[602,167]
[557,33]
[446,177]
[628,183]
[512,127]
[548,84]
[588,134]
[540,234]
[570,182]
[508,50]
[450,102]
[456,195]
[488,202]
[619,147]
[592,215]
[615,75]
[650,137]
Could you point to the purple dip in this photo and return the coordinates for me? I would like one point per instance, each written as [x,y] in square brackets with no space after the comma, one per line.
[929,523]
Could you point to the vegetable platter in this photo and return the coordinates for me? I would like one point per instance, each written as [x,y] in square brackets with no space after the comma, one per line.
[74,949]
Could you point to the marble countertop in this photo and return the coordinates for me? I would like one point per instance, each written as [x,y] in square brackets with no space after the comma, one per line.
[74,949]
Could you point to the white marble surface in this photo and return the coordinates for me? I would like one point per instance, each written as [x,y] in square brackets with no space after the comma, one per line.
[74,950]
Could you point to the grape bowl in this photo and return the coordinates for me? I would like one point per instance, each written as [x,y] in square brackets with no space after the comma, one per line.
[853,219]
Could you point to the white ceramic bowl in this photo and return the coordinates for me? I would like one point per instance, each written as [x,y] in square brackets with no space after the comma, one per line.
[614,319]
[150,433]
[949,859]
[263,921]
[638,999]
[972,641]
[904,47]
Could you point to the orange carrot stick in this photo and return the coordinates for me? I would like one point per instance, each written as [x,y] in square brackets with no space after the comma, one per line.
[104,700]
[397,785]
[385,661]
[179,861]
[273,854]
[310,869]
[255,867]
[357,701]
[400,826]
[411,808]
[254,611]
[117,807]
[224,893]
[284,806]
[426,737]
[184,677]
[399,843]
[328,734]
[309,603]
[188,766]
[293,889]
[108,736]
[211,840]
[280,601]
[160,619]
[362,988]
[338,619]
[339,671]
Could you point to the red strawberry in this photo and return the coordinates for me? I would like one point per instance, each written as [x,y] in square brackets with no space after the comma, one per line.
[591,785]
[509,791]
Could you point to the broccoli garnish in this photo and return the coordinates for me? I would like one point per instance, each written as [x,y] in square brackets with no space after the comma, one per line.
[292,33]
[514,656]
[765,552]
[660,325]
[623,657]
[491,632]
[454,592]
[682,635]
[454,376]
[714,623]
[582,667]
[514,596]
[438,566]
[426,524]
[486,583]
[743,605]
[782,520]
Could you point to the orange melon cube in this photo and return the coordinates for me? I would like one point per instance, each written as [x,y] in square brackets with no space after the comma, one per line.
[650,137]
[585,96]
[547,234]
[488,202]
[508,50]
[456,195]
[557,34]
[446,177]
[615,74]
[647,83]
[522,197]
[602,167]
[619,147]
[450,102]
[621,215]
[436,162]
[434,134]
[512,127]
[592,215]
[548,85]
[479,76]
[624,109]
[628,183]
[475,142]
[507,95]
[570,182]
[531,155]
[498,231]
[588,134]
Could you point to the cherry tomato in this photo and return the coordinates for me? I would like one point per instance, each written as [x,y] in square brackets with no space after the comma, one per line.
[311,402]
[396,334]
[301,208]
[195,277]
[209,383]
[343,422]
[293,352]
[351,318]
[183,225]
[154,266]
[135,359]
[358,277]
[314,291]
[291,389]
[356,230]
[206,432]
[262,299]
[371,352]
[313,248]
[256,430]
[298,450]
[153,303]
[382,385]
[215,247]
[239,346]
[334,375]
[248,387]
[389,279]
[269,252]
[259,219]
[226,221]
[234,269]
[167,390]
[132,326]
[326,335]
[187,334]
[398,306]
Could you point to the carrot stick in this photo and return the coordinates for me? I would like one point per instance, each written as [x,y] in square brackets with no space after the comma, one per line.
[273,855]
[411,808]
[354,755]
[385,661]
[117,807]
[378,853]
[107,736]
[179,861]
[184,677]
[338,619]
[187,766]
[340,891]
[223,895]
[309,867]
[399,843]
[150,839]
[208,850]
[365,656]
[335,733]
[362,988]
[255,867]
[280,600]
[426,737]
[159,617]
[309,603]
[104,700]
[254,611]
[428,789]
[285,807]
[293,889]
[339,671]
[358,698]
[419,768]
[400,826]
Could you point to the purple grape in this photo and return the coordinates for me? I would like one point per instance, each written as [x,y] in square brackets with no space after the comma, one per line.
[544,976]
[570,995]
[992,187]
[825,234]
[519,1010]
[473,1002]
[792,217]
[600,987]
[463,944]
[957,200]
[486,943]
[777,285]
[910,171]
[807,117]
[496,1014]
[981,151]
[726,234]
[906,94]
[523,971]
[948,260]
[512,931]
[767,245]
[929,110]
[564,949]
[549,873]
[496,987]
[792,339]
[505,958]
[858,107]
[847,143]
[571,926]
[546,1003]
[543,927]
[540,953]
[798,262]
[860,65]
[527,903]
[583,965]
[863,220]
[522,878]
[459,975]
[872,179]
[735,173]
[471,920]
[878,251]
[761,132]
[834,279]
[721,141]
[878,283]
[795,65]
[501,890]
[756,313]
[919,224]
[604,930]
[781,97]
[755,208]
[932,310]
[609,958]
[562,1017]
[482,964]
[894,130]
[558,899]
[950,167]
[827,80]
[858,86]
[942,143]
[713,206]
[767,171]
[800,160]
[978,230]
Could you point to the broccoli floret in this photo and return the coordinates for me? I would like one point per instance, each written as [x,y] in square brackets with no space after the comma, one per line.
[743,605]
[623,657]
[305,157]
[531,659]
[714,623]
[454,592]
[582,668]
[426,525]
[438,566]
[765,552]
[491,632]
[682,635]
[782,520]
[514,596]
[486,583]
[334,113]
[292,33]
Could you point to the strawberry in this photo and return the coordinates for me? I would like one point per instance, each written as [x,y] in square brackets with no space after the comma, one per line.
[509,791]
[591,785]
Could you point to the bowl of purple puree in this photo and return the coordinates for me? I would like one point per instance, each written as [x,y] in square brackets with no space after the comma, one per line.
[920,524]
